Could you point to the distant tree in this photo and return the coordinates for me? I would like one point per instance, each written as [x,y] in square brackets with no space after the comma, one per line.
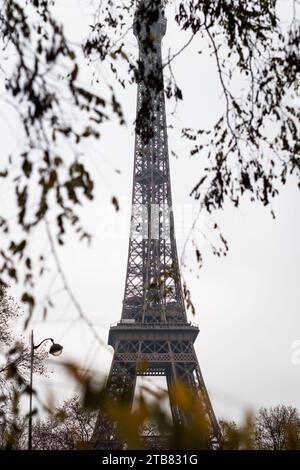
[9,311]
[14,372]
[230,435]
[278,428]
[69,427]
[15,354]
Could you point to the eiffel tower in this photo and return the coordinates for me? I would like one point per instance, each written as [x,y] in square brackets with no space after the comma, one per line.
[154,337]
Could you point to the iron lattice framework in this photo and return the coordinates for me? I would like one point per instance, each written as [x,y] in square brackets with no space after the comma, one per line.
[153,329]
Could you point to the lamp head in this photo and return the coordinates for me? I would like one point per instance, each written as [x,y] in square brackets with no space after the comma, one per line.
[55,349]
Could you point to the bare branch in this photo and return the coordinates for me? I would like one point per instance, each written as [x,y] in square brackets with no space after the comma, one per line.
[68,288]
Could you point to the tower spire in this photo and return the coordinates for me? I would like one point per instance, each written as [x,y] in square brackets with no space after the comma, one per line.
[153,330]
[153,290]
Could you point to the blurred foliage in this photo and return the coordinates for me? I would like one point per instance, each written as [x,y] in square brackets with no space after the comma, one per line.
[77,422]
[96,419]
[148,423]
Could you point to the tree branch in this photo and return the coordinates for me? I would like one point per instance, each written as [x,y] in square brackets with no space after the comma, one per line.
[225,90]
[68,289]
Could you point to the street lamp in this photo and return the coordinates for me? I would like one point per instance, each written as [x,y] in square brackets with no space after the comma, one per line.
[55,350]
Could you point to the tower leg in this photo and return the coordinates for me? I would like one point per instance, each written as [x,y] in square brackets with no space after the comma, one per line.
[189,373]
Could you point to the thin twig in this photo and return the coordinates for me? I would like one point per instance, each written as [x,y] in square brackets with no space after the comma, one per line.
[67,287]
[180,51]
[225,90]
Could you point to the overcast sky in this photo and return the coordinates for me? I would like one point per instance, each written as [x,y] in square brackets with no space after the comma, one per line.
[247,304]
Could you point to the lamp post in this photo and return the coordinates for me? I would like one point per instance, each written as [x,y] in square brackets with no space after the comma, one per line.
[55,350]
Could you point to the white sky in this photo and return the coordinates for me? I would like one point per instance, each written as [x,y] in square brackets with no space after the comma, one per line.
[247,304]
